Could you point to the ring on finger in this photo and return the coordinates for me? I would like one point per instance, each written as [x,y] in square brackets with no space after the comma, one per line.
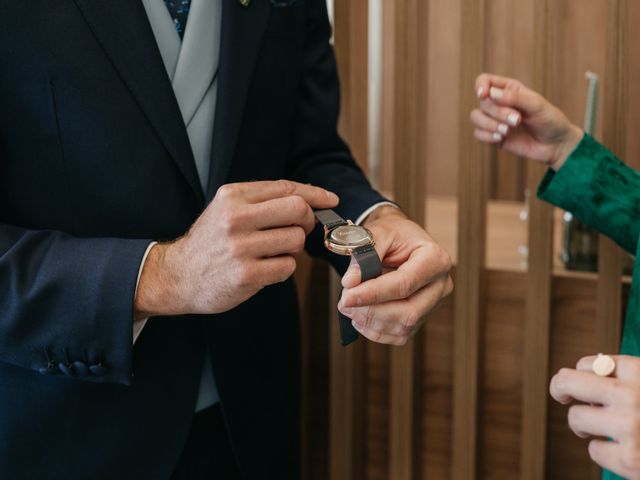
[603,365]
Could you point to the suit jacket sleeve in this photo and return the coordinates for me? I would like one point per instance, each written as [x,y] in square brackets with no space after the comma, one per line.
[67,300]
[318,155]
[598,189]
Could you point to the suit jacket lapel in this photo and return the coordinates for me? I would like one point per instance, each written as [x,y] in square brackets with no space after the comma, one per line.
[123,30]
[242,31]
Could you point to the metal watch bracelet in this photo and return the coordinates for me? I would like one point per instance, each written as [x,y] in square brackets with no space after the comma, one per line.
[370,267]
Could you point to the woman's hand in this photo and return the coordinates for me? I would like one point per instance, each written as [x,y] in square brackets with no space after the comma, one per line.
[610,409]
[522,121]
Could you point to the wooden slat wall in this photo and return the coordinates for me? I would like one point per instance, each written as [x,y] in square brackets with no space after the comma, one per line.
[347,382]
[614,137]
[609,293]
[509,51]
[409,191]
[392,409]
[632,64]
[471,251]
[538,304]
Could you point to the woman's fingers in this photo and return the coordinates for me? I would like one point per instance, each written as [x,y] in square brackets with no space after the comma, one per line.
[587,421]
[484,122]
[485,81]
[569,384]
[627,367]
[615,457]
[517,96]
[500,114]
[488,137]
[508,92]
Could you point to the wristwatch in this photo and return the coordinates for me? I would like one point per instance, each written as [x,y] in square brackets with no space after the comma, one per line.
[343,237]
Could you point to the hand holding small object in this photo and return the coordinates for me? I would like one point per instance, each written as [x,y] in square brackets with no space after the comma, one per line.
[607,409]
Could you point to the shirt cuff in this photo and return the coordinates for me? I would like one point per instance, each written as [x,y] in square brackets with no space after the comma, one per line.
[363,216]
[138,325]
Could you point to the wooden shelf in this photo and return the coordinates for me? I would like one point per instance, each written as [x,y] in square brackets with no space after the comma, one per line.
[505,232]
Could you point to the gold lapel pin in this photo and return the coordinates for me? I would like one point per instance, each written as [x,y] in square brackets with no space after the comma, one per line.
[245,3]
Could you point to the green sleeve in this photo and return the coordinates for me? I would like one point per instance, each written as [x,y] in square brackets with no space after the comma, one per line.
[598,189]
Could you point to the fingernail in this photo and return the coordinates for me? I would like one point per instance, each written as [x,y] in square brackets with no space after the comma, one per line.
[514,119]
[356,326]
[346,311]
[480,92]
[496,93]
[497,137]
[503,128]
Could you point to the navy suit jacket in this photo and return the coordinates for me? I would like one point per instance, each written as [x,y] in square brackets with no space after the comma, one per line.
[95,163]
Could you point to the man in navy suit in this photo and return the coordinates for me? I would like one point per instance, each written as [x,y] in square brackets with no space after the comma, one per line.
[156,172]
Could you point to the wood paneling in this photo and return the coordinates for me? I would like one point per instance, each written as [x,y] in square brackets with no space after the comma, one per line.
[409,190]
[471,251]
[312,278]
[377,412]
[609,292]
[535,371]
[581,45]
[468,398]
[614,136]
[347,432]
[632,63]
[509,47]
[436,384]
[350,37]
[439,139]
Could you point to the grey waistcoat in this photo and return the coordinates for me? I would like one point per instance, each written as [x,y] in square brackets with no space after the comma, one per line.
[192,66]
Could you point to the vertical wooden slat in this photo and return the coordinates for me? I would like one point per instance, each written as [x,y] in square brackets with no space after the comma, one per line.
[347,427]
[351,46]
[409,192]
[388,104]
[347,384]
[614,137]
[609,291]
[538,302]
[471,250]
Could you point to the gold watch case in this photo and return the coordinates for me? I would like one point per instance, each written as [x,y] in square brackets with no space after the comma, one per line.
[344,239]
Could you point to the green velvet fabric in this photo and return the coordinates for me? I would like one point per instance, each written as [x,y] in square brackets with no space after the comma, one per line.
[604,193]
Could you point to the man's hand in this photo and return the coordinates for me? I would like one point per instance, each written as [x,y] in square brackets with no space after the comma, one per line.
[609,408]
[391,308]
[245,240]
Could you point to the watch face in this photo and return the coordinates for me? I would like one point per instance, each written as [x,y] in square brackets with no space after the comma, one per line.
[351,235]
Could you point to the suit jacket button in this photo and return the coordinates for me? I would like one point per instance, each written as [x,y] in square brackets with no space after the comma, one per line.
[80,368]
[67,369]
[98,369]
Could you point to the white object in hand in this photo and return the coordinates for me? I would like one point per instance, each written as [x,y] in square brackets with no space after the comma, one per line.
[603,365]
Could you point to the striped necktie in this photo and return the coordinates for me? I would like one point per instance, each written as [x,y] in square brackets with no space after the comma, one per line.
[179,10]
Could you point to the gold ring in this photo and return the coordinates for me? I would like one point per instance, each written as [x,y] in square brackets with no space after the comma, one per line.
[603,365]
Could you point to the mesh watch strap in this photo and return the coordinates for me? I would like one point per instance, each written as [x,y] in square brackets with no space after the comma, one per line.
[329,218]
[370,267]
[370,264]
